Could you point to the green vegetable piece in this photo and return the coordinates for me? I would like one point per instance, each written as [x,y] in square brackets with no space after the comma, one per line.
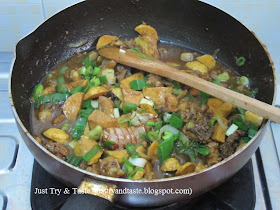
[59,87]
[109,144]
[134,172]
[223,77]
[177,91]
[240,61]
[95,81]
[52,97]
[37,93]
[138,84]
[117,86]
[242,111]
[74,160]
[87,104]
[91,153]
[204,96]
[217,82]
[152,135]
[87,62]
[127,162]
[77,90]
[65,127]
[243,81]
[78,128]
[176,121]
[103,79]
[96,70]
[63,70]
[165,149]
[95,133]
[130,148]
[135,49]
[246,139]
[144,57]
[212,122]
[190,96]
[128,107]
[203,150]
[253,93]
[252,133]
[86,112]
[150,123]
[239,121]
[158,125]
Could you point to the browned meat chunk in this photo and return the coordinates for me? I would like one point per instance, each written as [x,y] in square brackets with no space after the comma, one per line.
[121,72]
[58,149]
[232,142]
[94,168]
[214,156]
[109,166]
[106,105]
[123,136]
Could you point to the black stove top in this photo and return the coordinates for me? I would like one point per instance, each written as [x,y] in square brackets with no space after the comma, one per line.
[237,193]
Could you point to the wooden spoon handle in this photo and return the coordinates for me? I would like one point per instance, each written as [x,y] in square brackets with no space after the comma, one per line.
[154,66]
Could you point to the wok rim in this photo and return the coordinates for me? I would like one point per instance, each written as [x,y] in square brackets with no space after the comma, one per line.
[123,180]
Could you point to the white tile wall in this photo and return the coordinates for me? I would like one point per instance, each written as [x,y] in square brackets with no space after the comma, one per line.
[19,17]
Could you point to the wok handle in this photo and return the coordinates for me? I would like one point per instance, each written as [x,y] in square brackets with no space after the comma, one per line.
[98,188]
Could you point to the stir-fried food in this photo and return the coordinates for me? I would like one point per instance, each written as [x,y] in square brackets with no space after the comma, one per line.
[117,121]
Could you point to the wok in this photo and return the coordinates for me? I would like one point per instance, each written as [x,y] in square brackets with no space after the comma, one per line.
[192,24]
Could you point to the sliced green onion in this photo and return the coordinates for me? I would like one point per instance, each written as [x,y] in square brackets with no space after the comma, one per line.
[166,117]
[135,49]
[243,81]
[231,129]
[144,57]
[63,70]
[59,87]
[152,136]
[94,104]
[128,107]
[190,96]
[86,112]
[140,162]
[165,149]
[65,127]
[158,125]
[109,144]
[52,97]
[204,96]
[246,139]
[95,81]
[223,77]
[87,104]
[37,93]
[146,101]
[220,121]
[138,84]
[130,148]
[240,61]
[150,123]
[176,121]
[212,122]
[87,62]
[103,79]
[117,86]
[95,133]
[242,111]
[74,160]
[252,133]
[96,71]
[78,128]
[109,75]
[124,120]
[177,91]
[253,93]
[217,82]
[91,153]
[77,90]
[134,172]
[116,112]
[239,121]
[127,162]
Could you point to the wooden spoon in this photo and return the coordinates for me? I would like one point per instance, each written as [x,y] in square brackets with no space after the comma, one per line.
[154,66]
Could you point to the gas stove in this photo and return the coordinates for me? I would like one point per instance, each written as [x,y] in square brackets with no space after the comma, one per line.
[257,181]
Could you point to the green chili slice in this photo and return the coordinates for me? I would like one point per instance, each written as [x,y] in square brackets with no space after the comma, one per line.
[91,153]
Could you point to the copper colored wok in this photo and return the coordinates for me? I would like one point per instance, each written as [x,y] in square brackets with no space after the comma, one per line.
[193,24]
